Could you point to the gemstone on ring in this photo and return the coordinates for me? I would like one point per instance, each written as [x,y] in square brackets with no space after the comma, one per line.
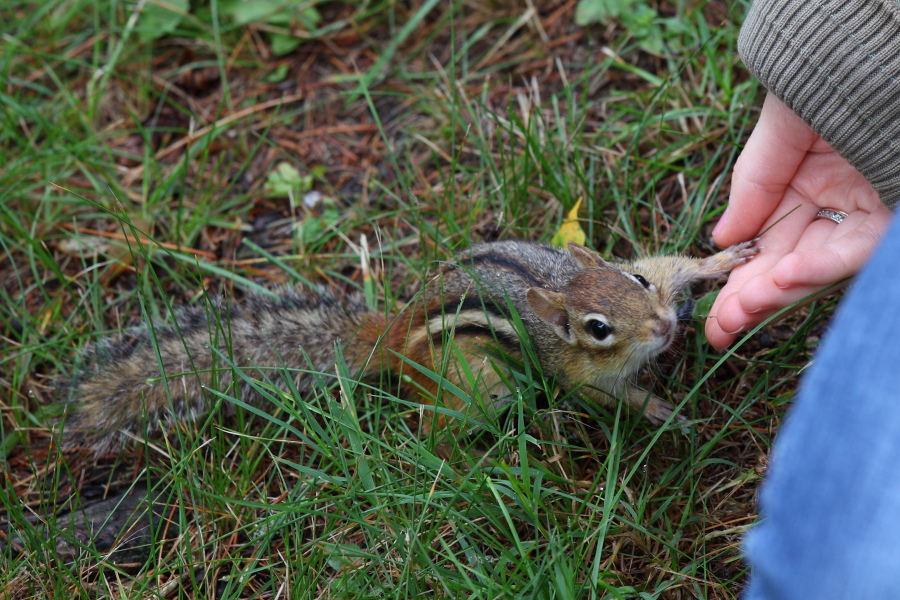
[832,214]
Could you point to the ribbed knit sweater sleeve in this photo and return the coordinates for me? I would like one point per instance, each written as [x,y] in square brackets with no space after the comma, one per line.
[835,63]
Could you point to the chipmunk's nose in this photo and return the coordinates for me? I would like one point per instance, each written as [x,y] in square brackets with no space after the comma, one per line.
[663,327]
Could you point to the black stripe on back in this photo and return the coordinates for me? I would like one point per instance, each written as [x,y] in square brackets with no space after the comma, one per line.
[505,263]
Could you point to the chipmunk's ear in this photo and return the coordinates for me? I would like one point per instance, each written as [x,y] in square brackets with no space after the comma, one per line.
[549,307]
[586,257]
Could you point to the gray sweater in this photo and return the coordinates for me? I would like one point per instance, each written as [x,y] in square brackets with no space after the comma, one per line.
[835,63]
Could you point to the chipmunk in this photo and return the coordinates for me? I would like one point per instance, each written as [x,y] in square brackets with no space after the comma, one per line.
[591,323]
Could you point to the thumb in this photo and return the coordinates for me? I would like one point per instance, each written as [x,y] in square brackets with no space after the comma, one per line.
[763,171]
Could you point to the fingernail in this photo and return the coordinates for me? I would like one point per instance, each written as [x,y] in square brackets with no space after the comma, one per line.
[758,310]
[739,329]
[735,332]
[722,221]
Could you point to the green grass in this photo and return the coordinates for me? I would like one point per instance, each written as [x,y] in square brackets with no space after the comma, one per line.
[427,128]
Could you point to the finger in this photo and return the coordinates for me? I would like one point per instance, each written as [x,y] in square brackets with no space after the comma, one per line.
[841,256]
[757,298]
[760,297]
[763,171]
[774,245]
[715,335]
[729,320]
[714,331]
[726,316]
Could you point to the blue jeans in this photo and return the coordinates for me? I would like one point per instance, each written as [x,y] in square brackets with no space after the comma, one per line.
[830,508]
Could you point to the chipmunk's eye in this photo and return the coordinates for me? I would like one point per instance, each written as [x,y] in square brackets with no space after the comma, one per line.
[642,280]
[599,329]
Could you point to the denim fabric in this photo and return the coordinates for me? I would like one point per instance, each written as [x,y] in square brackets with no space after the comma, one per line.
[830,509]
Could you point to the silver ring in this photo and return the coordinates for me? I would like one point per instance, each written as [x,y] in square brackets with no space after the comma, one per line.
[832,215]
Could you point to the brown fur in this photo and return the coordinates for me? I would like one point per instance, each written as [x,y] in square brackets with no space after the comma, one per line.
[555,293]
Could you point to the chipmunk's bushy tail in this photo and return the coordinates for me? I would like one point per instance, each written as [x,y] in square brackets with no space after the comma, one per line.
[150,379]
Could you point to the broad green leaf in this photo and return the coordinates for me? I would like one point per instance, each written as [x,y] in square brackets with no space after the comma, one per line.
[160,17]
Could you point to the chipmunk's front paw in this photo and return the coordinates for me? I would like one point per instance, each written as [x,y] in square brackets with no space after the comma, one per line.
[659,411]
[656,410]
[744,251]
[721,263]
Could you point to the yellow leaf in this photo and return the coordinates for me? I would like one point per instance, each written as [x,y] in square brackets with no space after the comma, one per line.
[570,230]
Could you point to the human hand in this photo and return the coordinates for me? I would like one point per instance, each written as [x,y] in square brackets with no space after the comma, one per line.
[787,169]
